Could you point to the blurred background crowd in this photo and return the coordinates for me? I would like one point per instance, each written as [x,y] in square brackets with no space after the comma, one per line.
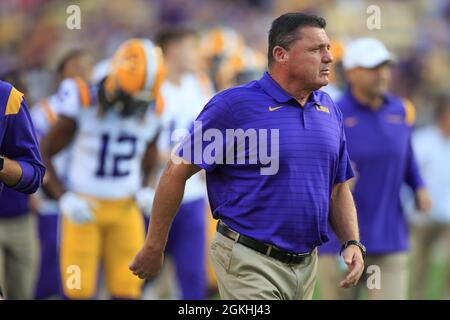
[34,38]
[33,35]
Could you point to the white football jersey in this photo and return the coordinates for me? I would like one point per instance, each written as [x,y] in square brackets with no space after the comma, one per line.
[182,105]
[107,149]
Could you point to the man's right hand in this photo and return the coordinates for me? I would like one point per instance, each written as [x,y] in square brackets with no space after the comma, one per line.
[147,263]
[423,201]
[75,208]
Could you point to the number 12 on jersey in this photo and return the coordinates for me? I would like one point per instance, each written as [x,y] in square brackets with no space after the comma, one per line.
[117,158]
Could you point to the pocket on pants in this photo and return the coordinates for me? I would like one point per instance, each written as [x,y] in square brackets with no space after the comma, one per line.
[221,250]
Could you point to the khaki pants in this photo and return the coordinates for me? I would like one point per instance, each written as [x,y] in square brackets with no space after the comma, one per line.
[245,274]
[18,256]
[393,278]
[424,238]
[330,275]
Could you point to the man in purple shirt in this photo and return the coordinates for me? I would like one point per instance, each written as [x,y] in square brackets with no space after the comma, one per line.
[378,129]
[20,163]
[275,157]
[22,171]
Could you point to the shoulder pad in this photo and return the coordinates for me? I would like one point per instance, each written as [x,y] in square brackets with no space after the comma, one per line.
[83,90]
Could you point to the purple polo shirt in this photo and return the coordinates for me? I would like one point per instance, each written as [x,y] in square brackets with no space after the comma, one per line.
[288,207]
[18,140]
[379,143]
[13,203]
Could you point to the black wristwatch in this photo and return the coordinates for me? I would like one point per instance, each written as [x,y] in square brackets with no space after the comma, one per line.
[356,243]
[2,160]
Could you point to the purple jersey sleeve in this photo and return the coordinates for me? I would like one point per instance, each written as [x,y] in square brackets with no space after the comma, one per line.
[344,171]
[413,177]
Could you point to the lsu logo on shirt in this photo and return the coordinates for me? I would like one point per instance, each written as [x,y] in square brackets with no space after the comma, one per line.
[322,108]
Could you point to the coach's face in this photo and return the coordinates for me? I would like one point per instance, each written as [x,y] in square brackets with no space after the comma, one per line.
[309,58]
[371,82]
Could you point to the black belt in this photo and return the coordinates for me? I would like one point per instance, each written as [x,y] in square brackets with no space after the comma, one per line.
[268,250]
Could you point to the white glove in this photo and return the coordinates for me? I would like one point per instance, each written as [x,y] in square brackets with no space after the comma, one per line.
[77,209]
[144,199]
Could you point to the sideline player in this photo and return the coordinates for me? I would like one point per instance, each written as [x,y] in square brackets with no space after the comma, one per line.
[113,132]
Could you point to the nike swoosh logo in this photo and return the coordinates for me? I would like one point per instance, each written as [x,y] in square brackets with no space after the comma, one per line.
[276,108]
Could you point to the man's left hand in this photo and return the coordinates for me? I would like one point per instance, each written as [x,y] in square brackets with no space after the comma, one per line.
[353,258]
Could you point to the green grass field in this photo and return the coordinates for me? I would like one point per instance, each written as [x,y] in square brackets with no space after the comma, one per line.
[436,285]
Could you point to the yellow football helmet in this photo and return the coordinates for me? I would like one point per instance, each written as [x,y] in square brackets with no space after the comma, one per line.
[240,68]
[221,41]
[135,77]
[217,45]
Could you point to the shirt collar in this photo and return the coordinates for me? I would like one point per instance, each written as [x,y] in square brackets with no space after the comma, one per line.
[273,89]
